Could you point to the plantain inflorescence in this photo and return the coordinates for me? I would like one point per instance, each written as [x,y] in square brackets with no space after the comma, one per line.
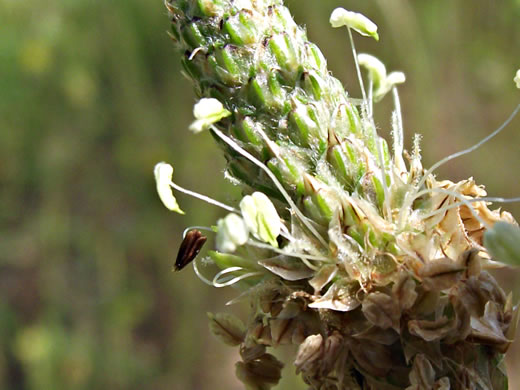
[354,253]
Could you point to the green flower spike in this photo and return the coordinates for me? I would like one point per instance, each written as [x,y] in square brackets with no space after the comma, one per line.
[163,178]
[207,112]
[503,242]
[517,79]
[231,233]
[341,17]
[261,217]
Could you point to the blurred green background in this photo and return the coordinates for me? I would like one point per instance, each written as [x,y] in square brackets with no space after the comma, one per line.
[91,97]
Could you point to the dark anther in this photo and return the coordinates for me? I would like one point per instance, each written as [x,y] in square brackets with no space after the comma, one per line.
[189,249]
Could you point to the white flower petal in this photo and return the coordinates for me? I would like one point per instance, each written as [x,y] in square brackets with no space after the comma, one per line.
[341,17]
[231,233]
[376,69]
[163,173]
[517,79]
[206,112]
[396,78]
[207,107]
[261,218]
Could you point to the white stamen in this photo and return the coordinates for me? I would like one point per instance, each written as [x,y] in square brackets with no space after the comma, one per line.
[470,149]
[205,228]
[398,132]
[474,200]
[199,274]
[204,198]
[216,283]
[358,70]
[407,202]
[464,201]
[271,175]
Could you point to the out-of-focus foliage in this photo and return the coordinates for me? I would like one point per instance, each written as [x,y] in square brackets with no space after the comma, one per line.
[91,97]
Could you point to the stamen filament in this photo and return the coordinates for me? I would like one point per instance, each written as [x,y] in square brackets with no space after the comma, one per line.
[234,280]
[205,228]
[474,200]
[204,198]
[358,70]
[271,175]
[199,274]
[470,149]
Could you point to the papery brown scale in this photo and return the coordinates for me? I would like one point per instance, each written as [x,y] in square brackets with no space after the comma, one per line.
[431,330]
[261,372]
[461,322]
[309,352]
[376,334]
[404,291]
[422,375]
[374,358]
[441,274]
[487,329]
[280,331]
[332,349]
[252,352]
[382,310]
[227,328]
[472,261]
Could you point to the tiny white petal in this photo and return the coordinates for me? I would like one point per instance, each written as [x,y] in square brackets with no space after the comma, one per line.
[206,112]
[231,233]
[382,82]
[249,213]
[243,4]
[396,78]
[163,173]
[197,126]
[261,217]
[207,107]
[341,17]
[517,79]
[376,69]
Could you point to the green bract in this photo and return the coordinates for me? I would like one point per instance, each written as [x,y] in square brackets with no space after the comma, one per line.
[341,17]
[163,173]
[503,242]
[261,217]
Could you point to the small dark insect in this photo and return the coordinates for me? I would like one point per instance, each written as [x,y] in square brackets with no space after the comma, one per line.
[189,249]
